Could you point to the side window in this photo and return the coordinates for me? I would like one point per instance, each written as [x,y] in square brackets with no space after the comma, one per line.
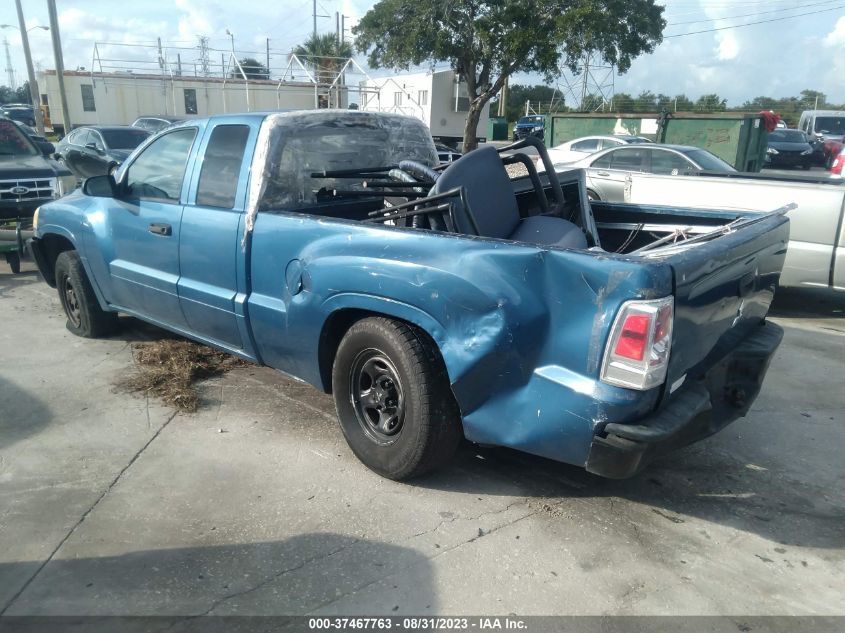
[82,138]
[222,166]
[589,145]
[668,163]
[190,100]
[604,162]
[628,159]
[88,104]
[96,139]
[610,142]
[157,174]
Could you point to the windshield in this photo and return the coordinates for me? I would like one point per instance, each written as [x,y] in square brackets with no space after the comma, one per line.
[124,139]
[13,142]
[307,143]
[535,120]
[788,136]
[830,124]
[708,161]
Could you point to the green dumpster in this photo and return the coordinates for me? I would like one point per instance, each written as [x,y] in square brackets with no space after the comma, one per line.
[497,129]
[738,138]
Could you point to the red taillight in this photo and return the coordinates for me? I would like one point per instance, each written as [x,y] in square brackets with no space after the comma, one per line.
[633,337]
[836,168]
[637,352]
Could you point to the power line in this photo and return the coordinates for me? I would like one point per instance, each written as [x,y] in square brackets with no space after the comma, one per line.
[750,15]
[737,26]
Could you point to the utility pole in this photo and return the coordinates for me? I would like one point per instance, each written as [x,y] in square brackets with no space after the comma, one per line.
[268,58]
[503,99]
[33,86]
[343,27]
[315,19]
[337,27]
[10,71]
[59,62]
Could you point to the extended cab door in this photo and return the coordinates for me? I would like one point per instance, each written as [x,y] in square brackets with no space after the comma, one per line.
[144,227]
[212,287]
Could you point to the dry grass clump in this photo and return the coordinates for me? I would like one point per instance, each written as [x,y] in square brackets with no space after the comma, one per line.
[168,369]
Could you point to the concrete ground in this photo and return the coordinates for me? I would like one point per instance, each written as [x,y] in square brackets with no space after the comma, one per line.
[112,504]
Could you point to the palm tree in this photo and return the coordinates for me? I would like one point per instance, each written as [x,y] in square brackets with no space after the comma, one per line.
[326,54]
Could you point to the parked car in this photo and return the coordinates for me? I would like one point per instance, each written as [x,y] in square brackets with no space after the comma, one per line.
[19,112]
[155,124]
[789,148]
[28,176]
[816,254]
[93,151]
[532,125]
[446,154]
[608,169]
[578,148]
[836,171]
[831,149]
[823,124]
[495,310]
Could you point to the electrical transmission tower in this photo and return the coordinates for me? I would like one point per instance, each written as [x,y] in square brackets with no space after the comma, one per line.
[591,87]
[10,72]
[205,64]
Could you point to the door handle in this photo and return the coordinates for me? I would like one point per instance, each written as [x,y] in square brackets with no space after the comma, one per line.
[161,229]
[602,173]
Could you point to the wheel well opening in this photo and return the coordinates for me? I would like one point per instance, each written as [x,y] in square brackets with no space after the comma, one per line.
[52,246]
[334,330]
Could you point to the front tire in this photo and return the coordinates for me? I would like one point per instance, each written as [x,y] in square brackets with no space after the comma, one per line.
[84,315]
[393,399]
[14,261]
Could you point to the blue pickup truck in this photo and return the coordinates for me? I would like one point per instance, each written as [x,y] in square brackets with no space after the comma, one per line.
[434,302]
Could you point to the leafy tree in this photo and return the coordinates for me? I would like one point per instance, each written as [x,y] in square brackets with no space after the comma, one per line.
[711,103]
[253,69]
[550,100]
[681,103]
[325,54]
[486,41]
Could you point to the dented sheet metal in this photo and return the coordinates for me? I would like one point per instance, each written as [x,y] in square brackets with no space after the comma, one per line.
[521,328]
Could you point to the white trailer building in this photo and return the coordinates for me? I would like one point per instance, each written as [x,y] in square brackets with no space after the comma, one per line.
[436,98]
[118,98]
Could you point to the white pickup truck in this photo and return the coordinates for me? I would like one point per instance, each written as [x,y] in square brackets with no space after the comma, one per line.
[816,254]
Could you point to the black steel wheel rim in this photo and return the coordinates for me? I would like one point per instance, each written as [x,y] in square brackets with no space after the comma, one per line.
[70,301]
[377,397]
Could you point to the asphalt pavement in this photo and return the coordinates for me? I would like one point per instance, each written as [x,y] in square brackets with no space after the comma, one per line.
[115,504]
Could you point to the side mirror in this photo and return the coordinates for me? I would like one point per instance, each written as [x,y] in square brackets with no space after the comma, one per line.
[93,146]
[100,186]
[47,148]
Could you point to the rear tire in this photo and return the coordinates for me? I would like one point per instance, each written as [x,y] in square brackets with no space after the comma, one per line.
[393,399]
[593,196]
[84,315]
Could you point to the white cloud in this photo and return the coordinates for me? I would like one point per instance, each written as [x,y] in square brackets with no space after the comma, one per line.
[837,36]
[728,46]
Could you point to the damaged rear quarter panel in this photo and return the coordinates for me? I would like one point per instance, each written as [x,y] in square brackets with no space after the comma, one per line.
[521,328]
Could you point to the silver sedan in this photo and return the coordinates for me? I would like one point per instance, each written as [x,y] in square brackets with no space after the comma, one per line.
[608,169]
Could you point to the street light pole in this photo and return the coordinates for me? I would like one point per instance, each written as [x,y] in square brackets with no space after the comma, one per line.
[33,86]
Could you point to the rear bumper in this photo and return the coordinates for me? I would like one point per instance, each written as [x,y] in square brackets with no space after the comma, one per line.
[697,410]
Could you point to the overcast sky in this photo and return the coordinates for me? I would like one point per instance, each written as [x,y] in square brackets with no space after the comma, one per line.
[777,58]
